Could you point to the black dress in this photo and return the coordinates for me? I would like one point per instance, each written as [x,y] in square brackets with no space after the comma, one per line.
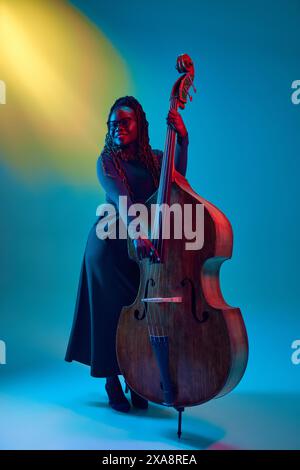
[109,279]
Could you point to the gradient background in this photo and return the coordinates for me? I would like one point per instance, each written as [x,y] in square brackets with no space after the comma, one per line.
[64,63]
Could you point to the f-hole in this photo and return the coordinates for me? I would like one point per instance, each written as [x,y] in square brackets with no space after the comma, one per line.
[205,313]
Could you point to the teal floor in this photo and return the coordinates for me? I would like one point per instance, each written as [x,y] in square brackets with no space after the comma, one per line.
[64,408]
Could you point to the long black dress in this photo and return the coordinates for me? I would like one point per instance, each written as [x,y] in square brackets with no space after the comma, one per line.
[109,279]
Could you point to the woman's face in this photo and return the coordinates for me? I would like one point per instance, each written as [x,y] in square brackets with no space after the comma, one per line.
[122,126]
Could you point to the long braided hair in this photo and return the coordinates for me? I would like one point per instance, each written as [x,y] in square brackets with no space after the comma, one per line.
[145,153]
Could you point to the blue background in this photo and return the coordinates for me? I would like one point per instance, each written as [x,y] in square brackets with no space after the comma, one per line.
[243,157]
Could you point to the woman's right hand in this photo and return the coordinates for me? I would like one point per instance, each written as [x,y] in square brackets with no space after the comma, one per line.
[145,249]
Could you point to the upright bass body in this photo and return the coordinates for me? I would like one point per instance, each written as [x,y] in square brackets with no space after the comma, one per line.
[206,338]
[179,343]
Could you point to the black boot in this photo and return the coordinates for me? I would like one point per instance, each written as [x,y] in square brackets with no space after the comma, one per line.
[136,400]
[117,399]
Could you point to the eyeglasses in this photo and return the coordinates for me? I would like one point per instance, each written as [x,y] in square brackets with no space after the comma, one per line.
[125,122]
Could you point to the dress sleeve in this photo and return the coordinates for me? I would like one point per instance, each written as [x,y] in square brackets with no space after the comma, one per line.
[110,180]
[114,186]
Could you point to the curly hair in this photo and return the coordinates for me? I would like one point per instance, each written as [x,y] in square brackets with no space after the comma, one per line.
[145,153]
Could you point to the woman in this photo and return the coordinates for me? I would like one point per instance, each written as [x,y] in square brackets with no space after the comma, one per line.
[109,279]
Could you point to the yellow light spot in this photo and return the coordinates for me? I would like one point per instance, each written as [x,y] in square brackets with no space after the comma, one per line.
[62,75]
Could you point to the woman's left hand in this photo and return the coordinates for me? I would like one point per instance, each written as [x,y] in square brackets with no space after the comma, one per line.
[175,120]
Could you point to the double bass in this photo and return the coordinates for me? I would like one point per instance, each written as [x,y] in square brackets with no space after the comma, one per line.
[179,344]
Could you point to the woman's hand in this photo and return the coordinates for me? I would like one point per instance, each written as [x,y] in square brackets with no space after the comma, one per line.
[175,121]
[145,249]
